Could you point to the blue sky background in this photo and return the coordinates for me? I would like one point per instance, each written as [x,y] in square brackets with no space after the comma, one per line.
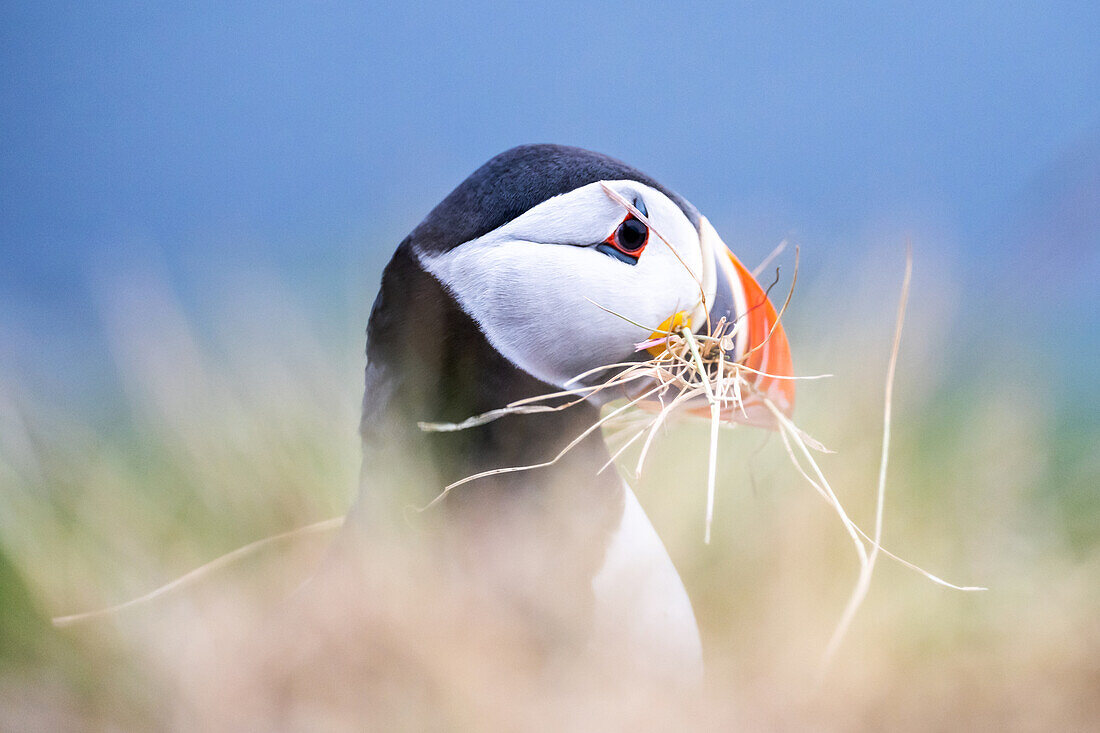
[309,138]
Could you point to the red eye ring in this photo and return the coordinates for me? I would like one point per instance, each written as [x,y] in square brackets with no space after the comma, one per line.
[630,237]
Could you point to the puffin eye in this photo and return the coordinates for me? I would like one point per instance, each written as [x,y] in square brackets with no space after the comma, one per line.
[631,236]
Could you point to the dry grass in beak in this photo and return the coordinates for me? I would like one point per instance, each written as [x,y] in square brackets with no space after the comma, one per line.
[694,368]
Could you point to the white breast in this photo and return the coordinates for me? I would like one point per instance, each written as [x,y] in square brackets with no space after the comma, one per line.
[642,609]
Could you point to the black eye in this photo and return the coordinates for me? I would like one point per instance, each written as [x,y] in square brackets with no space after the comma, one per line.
[631,235]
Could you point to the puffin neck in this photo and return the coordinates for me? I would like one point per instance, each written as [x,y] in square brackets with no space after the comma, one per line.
[427,360]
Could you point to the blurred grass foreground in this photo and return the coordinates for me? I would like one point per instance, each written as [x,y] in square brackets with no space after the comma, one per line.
[246,428]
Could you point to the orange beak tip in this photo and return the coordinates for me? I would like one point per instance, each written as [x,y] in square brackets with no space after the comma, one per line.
[767,351]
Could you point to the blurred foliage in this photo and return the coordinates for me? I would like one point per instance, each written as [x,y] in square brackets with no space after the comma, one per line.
[249,429]
[23,627]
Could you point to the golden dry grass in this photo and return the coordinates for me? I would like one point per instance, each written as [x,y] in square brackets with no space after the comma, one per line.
[236,435]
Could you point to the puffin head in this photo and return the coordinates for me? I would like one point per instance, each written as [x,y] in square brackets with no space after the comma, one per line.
[546,263]
[568,259]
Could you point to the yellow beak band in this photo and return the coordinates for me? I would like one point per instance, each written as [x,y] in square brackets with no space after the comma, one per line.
[674,323]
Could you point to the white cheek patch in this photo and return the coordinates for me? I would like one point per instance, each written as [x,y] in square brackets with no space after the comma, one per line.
[533,285]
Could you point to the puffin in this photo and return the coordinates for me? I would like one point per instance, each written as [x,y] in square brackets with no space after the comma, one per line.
[546,263]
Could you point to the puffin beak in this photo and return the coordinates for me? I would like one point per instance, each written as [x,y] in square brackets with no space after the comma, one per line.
[760,345]
[734,297]
[759,341]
